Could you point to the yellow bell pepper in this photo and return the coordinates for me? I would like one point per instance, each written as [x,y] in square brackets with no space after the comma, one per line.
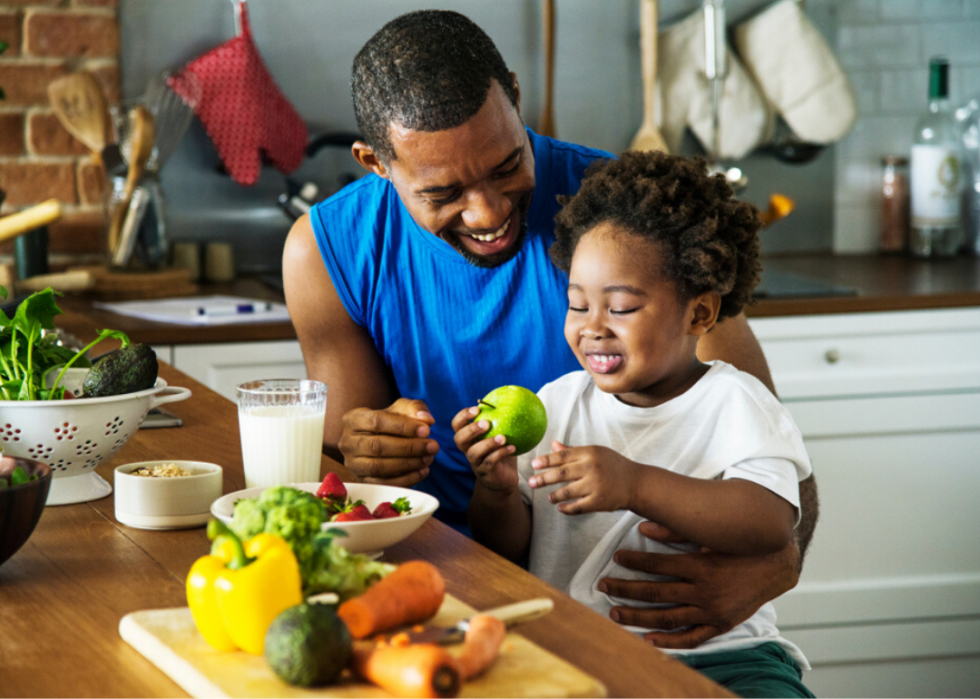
[236,593]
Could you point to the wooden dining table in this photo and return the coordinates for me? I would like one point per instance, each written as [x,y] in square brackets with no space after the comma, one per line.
[63,594]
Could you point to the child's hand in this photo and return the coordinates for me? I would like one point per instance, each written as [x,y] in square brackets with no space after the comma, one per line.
[599,479]
[492,460]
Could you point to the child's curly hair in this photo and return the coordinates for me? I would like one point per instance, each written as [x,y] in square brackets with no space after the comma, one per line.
[708,240]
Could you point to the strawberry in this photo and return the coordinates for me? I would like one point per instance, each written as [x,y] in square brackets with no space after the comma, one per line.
[386,509]
[332,490]
[358,512]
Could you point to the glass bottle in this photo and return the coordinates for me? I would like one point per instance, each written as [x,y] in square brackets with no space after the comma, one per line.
[894,234]
[936,172]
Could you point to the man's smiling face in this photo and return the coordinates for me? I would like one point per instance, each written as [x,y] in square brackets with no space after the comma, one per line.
[470,185]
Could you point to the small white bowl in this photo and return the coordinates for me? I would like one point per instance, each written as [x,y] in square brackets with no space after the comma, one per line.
[370,536]
[180,502]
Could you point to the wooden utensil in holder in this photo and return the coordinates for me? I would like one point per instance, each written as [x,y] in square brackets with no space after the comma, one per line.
[649,137]
[546,124]
[142,133]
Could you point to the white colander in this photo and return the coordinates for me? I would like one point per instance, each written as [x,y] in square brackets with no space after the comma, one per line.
[75,436]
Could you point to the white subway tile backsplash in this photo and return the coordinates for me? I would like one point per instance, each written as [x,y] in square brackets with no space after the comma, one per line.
[866,89]
[875,136]
[958,41]
[855,228]
[857,11]
[920,9]
[904,91]
[967,82]
[855,179]
[879,46]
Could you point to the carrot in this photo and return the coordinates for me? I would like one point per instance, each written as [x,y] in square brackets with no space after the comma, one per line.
[413,592]
[419,670]
[481,645]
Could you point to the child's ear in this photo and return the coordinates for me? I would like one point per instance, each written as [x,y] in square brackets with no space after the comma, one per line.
[704,312]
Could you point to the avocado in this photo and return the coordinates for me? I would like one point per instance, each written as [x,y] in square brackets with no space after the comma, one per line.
[308,645]
[122,371]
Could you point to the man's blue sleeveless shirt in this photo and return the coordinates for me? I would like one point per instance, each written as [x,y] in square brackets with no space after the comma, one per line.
[451,332]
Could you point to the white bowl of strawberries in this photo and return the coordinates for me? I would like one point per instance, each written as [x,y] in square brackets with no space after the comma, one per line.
[373,517]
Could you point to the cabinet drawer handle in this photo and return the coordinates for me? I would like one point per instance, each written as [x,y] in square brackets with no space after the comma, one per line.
[832,356]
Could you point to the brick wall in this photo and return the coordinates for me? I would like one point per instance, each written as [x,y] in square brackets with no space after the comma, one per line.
[39,159]
[885,46]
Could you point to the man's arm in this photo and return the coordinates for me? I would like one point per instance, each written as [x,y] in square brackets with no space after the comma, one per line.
[362,401]
[734,342]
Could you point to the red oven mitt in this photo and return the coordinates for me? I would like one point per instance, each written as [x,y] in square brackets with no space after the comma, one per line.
[242,108]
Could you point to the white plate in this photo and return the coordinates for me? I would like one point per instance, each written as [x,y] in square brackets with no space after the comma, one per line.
[362,537]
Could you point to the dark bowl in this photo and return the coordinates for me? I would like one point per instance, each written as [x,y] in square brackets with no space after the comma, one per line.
[21,505]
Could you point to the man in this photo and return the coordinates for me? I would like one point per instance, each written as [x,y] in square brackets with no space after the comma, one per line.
[424,285]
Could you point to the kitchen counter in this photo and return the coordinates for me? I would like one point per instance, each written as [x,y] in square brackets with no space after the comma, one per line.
[882,283]
[62,595]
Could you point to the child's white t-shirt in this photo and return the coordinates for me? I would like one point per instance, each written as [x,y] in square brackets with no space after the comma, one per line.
[728,425]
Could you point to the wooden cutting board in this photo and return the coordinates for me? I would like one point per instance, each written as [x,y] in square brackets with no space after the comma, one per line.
[124,285]
[169,640]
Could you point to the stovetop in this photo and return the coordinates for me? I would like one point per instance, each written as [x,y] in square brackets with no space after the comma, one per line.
[784,285]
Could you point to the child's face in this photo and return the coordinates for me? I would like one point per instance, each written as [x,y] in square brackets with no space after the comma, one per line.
[626,323]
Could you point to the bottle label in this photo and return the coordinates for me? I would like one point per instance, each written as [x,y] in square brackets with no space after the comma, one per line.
[935,180]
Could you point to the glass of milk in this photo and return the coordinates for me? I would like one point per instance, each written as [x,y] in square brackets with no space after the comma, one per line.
[281,423]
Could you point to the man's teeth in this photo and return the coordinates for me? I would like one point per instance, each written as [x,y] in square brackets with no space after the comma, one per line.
[490,237]
[603,358]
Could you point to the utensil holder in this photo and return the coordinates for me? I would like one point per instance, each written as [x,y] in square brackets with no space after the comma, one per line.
[31,253]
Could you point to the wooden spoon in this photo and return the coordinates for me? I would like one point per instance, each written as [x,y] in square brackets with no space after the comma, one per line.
[546,124]
[80,105]
[648,137]
[142,135]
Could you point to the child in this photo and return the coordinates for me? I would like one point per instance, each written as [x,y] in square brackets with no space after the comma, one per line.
[656,252]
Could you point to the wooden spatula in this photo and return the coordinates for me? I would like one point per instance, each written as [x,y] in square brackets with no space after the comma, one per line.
[80,105]
[546,124]
[648,137]
[142,134]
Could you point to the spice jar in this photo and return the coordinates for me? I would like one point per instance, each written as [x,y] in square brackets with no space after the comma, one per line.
[894,232]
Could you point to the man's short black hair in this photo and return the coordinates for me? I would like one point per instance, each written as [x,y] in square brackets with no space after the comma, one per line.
[708,240]
[429,70]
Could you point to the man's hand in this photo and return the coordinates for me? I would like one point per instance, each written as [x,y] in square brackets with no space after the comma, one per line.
[390,446]
[713,592]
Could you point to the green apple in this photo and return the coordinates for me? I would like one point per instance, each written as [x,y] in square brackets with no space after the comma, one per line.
[516,413]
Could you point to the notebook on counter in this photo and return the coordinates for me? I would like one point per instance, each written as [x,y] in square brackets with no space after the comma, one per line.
[201,310]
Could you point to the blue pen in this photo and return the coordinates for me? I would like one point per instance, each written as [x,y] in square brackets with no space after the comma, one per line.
[231,309]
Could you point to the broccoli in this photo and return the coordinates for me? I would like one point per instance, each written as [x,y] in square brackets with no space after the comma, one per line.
[340,571]
[298,517]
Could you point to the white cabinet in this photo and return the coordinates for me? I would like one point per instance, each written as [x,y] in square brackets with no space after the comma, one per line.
[223,366]
[889,407]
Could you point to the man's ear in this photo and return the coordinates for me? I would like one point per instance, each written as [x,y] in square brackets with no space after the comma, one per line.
[704,312]
[517,90]
[368,159]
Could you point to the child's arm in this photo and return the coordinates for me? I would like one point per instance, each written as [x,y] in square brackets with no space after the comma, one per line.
[498,517]
[733,516]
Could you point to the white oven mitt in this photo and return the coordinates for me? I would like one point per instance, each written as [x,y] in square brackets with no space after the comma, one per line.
[685,94]
[797,72]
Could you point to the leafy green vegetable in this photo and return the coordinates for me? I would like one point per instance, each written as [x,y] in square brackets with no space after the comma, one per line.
[17,477]
[298,516]
[26,354]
